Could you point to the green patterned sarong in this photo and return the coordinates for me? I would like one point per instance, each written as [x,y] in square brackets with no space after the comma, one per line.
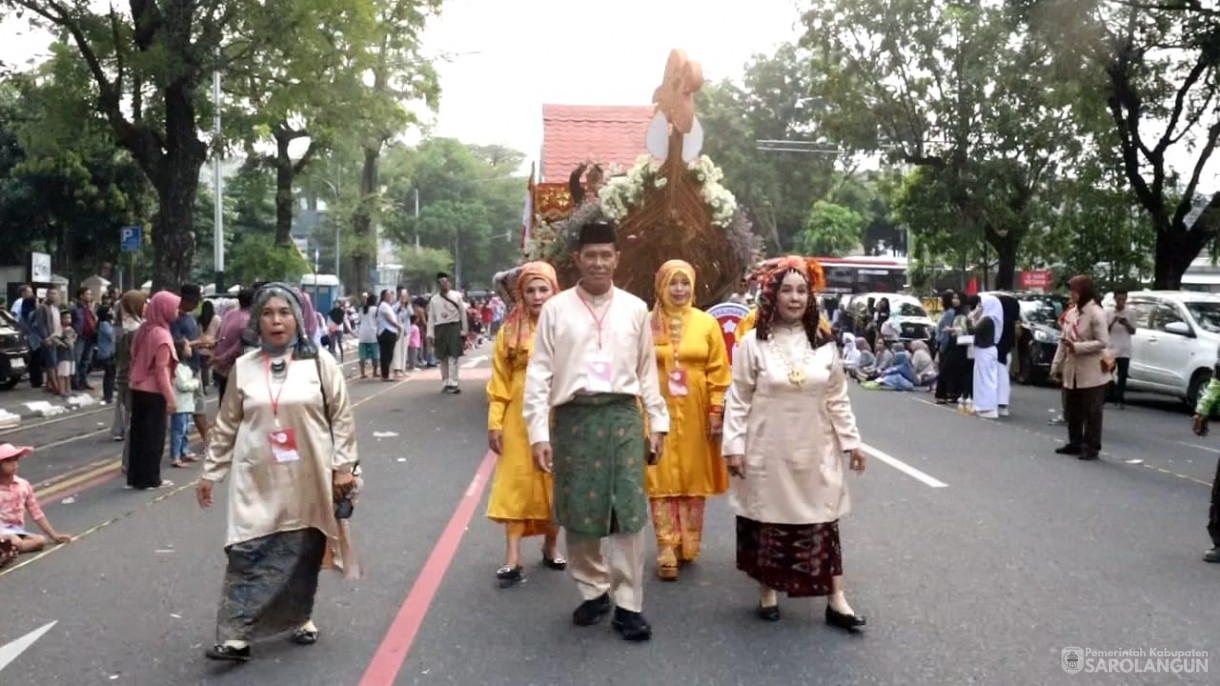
[600,452]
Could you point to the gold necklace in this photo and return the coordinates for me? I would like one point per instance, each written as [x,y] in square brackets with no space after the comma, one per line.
[796,375]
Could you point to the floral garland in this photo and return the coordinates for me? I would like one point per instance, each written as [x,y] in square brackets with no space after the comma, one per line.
[622,194]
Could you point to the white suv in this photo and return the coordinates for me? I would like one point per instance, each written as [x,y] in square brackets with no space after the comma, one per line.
[1173,350]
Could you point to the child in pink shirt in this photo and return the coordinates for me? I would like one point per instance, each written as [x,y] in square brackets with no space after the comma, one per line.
[413,352]
[16,497]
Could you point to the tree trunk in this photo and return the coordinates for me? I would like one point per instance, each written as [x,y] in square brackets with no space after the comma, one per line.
[1006,259]
[364,245]
[283,191]
[177,184]
[1176,248]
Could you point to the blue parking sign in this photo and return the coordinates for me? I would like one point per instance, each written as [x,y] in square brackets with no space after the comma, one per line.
[131,238]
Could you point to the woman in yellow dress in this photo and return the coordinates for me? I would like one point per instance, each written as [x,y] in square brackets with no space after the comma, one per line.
[520,493]
[694,369]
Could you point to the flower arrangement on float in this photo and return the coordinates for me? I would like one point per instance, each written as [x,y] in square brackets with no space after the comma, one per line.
[625,194]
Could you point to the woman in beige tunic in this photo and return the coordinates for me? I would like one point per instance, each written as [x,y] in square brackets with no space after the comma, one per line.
[787,423]
[285,431]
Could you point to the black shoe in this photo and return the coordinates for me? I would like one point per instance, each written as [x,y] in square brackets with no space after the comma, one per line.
[509,576]
[1090,455]
[1069,450]
[1212,555]
[221,651]
[558,563]
[304,637]
[842,621]
[768,613]
[591,612]
[631,625]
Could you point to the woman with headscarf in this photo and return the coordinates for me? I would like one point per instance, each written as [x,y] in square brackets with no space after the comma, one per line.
[520,493]
[693,366]
[988,326]
[951,357]
[153,361]
[131,316]
[1079,368]
[286,432]
[788,421]
[851,352]
[922,364]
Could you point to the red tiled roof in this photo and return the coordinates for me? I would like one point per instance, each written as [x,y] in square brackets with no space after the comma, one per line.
[607,134]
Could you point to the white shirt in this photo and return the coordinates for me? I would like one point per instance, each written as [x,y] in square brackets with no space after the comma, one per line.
[567,337]
[1120,337]
[386,319]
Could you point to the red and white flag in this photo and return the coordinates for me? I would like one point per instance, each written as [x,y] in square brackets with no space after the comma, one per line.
[527,216]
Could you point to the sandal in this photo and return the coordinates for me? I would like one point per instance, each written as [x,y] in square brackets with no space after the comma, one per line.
[304,637]
[558,563]
[220,651]
[509,576]
[8,551]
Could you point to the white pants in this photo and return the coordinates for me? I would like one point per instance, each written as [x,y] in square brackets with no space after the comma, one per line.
[449,371]
[622,576]
[986,379]
[1004,382]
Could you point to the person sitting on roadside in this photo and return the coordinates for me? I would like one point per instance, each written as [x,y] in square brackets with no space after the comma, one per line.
[922,364]
[16,498]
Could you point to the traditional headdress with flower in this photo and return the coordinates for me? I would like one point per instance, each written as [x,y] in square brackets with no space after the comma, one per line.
[816,327]
[517,328]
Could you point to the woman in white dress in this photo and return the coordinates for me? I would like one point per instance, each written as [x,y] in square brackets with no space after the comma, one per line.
[788,422]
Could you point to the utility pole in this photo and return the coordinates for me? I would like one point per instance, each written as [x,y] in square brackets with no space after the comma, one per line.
[218,233]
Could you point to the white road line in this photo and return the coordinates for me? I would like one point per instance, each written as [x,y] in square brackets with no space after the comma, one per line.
[474,362]
[904,467]
[12,651]
[1199,447]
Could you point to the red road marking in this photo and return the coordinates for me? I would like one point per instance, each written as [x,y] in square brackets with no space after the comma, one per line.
[388,659]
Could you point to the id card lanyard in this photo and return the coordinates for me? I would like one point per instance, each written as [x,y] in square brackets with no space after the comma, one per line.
[598,322]
[275,396]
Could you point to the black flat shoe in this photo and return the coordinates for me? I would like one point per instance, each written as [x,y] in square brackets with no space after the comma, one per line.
[768,613]
[591,612]
[631,625]
[558,563]
[842,621]
[226,653]
[1088,456]
[304,637]
[1068,450]
[509,576]
[1212,555]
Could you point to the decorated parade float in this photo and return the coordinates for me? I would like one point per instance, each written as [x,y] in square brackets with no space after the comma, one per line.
[670,204]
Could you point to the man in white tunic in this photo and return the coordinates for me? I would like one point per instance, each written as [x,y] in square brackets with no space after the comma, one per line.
[592,365]
[447,324]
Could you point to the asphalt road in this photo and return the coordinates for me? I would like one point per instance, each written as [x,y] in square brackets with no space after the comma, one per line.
[977,554]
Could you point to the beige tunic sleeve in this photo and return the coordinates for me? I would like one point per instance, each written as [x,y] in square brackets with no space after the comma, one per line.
[741,395]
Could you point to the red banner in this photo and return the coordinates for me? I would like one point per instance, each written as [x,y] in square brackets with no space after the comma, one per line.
[1037,279]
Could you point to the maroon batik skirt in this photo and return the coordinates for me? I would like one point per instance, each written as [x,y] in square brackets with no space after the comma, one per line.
[797,559]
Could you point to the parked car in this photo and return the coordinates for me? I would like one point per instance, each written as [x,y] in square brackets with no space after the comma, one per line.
[1173,349]
[14,352]
[910,319]
[1037,335]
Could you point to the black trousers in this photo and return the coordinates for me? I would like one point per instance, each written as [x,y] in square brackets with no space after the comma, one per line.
[386,340]
[146,439]
[1213,519]
[951,384]
[222,382]
[1083,409]
[1118,388]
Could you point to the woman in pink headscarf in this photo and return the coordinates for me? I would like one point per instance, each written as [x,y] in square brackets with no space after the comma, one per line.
[152,391]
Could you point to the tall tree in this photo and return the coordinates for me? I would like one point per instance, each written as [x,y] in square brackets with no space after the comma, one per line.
[301,92]
[1154,68]
[955,87]
[398,74]
[772,103]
